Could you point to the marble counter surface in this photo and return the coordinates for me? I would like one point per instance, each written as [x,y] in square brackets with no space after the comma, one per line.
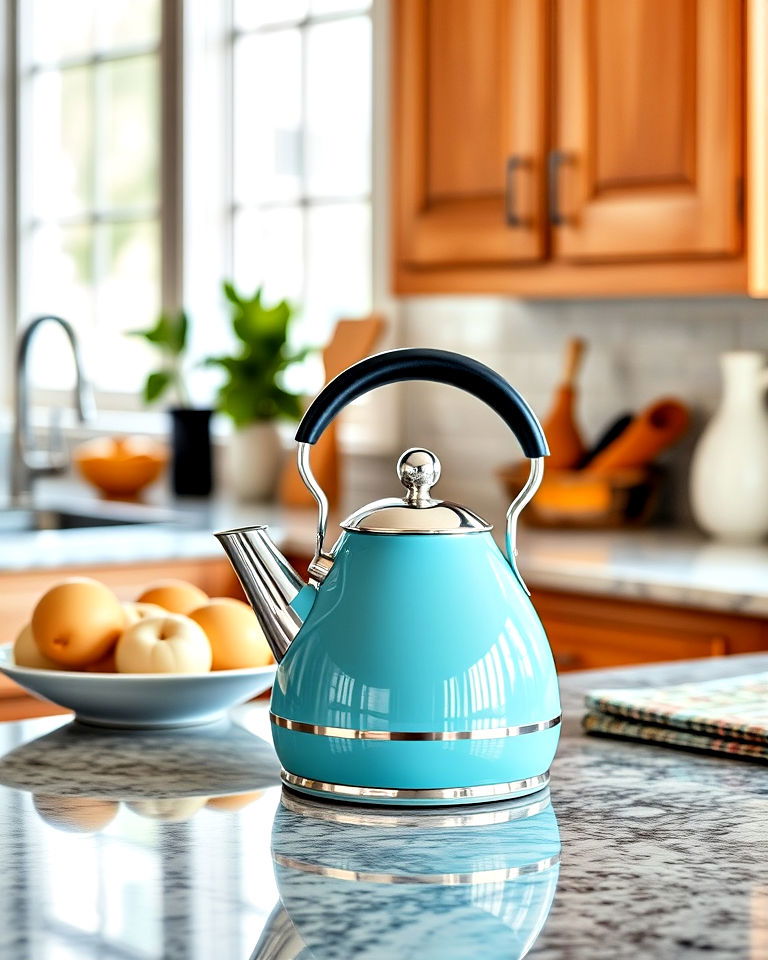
[663,565]
[181,845]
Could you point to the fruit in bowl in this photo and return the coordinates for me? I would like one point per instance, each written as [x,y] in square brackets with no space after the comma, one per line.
[142,663]
[177,596]
[121,467]
[170,643]
[234,633]
[77,622]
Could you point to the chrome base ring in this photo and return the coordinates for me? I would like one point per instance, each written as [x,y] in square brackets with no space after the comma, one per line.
[415,797]
[495,876]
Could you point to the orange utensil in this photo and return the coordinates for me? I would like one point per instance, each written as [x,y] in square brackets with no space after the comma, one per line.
[565,443]
[652,431]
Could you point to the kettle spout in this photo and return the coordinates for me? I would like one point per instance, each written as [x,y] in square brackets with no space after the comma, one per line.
[270,583]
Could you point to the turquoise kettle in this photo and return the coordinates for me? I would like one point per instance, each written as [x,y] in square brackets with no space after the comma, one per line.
[412,669]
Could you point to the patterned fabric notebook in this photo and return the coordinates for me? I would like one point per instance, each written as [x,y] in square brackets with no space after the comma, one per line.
[720,716]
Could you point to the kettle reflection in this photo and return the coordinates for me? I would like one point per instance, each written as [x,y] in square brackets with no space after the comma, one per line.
[366,884]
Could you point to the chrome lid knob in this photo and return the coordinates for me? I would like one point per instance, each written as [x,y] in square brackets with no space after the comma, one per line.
[419,471]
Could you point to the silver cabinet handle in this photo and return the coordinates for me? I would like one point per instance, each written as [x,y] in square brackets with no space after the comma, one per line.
[513,218]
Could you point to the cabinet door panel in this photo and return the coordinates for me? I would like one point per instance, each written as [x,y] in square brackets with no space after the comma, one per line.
[470,115]
[648,126]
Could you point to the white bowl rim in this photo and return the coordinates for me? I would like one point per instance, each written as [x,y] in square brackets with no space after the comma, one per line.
[6,663]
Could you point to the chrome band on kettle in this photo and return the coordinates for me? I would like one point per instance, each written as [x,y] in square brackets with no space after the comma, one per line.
[488,791]
[346,733]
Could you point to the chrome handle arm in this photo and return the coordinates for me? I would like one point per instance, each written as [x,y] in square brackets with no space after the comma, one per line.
[322,561]
[530,487]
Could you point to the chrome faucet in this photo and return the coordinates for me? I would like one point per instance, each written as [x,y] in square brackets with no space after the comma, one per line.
[27,462]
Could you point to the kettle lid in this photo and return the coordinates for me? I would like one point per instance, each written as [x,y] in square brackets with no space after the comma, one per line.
[416,512]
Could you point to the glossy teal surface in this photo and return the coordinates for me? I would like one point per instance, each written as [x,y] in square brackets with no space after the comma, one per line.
[418,633]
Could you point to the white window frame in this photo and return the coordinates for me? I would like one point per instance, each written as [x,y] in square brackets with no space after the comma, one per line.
[168,213]
[303,202]
[374,425]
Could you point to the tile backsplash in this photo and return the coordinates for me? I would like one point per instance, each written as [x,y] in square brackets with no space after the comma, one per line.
[638,350]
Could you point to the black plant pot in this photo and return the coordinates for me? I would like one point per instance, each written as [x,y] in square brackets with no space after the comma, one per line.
[191,474]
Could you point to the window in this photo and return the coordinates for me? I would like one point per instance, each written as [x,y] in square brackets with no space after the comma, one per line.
[301,156]
[276,168]
[89,175]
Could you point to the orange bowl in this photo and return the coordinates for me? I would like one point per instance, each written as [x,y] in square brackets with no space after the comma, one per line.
[120,467]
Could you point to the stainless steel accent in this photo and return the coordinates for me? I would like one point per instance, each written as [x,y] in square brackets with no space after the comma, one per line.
[269,582]
[514,788]
[515,162]
[27,462]
[515,509]
[322,561]
[418,470]
[555,161]
[393,515]
[496,875]
[425,818]
[346,733]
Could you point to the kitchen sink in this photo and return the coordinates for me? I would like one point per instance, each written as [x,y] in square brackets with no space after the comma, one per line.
[76,517]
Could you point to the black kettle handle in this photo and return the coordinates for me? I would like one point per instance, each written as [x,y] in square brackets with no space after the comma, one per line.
[438,366]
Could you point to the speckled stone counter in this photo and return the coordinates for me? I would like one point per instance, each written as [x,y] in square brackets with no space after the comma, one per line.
[181,845]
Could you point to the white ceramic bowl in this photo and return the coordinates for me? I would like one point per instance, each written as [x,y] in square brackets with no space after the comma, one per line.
[142,700]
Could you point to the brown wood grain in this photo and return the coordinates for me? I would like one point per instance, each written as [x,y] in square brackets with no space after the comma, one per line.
[648,108]
[469,93]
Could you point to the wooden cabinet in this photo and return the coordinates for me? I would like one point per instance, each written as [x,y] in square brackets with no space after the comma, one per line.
[571,147]
[471,119]
[588,632]
[647,133]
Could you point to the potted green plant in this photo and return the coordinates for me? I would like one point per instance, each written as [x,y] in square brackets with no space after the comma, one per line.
[253,395]
[191,473]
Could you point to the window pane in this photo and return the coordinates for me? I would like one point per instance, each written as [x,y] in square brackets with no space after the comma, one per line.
[57,279]
[131,126]
[337,6]
[338,111]
[268,251]
[338,267]
[128,299]
[61,148]
[267,116]
[61,28]
[256,13]
[125,23]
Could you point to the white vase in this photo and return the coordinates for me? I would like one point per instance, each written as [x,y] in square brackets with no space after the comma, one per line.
[255,455]
[729,470]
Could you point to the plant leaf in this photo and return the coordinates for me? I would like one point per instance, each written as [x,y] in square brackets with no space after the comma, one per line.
[169,333]
[177,330]
[252,388]
[230,293]
[156,385]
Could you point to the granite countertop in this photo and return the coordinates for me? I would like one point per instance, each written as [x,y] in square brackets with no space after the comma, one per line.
[181,845]
[662,565]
